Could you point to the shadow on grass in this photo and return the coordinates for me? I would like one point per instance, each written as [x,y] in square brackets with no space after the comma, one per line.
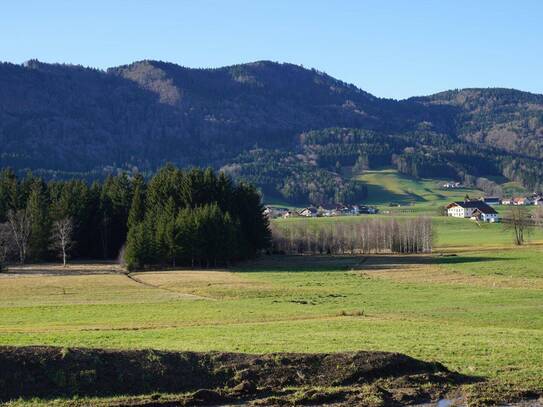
[387,262]
[385,195]
[302,263]
[326,263]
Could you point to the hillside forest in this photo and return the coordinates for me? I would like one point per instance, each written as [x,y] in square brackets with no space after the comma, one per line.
[299,135]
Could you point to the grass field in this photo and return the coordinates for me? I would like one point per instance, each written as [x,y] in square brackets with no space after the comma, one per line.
[479,311]
[389,186]
[475,304]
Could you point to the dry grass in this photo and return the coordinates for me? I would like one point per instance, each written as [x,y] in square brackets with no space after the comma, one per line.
[439,275]
[508,270]
[203,284]
[76,289]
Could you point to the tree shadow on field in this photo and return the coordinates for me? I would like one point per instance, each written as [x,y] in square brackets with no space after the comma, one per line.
[386,195]
[381,262]
[342,263]
[302,263]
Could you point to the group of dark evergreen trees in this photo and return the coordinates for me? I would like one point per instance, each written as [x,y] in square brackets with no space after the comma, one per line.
[194,218]
[31,207]
[191,217]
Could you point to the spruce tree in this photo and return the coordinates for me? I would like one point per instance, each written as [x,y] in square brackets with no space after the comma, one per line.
[166,233]
[137,207]
[8,193]
[137,246]
[40,223]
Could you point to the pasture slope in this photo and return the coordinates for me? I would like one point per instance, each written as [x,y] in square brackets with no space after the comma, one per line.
[475,306]
[387,188]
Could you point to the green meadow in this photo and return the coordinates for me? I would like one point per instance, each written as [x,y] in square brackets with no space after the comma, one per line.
[388,186]
[475,304]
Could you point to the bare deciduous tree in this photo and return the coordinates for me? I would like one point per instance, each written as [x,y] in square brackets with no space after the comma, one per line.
[518,220]
[5,244]
[538,215]
[367,236]
[62,237]
[20,226]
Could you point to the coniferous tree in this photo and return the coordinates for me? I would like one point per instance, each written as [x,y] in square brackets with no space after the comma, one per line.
[40,223]
[139,246]
[137,207]
[253,223]
[8,193]
[188,242]
[166,233]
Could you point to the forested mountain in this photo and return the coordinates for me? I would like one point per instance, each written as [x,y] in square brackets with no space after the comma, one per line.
[297,133]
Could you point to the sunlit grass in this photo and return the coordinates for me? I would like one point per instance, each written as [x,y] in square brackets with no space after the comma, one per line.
[300,305]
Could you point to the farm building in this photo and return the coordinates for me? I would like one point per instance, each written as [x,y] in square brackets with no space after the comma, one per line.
[507,201]
[309,212]
[275,212]
[491,200]
[451,185]
[473,209]
[521,200]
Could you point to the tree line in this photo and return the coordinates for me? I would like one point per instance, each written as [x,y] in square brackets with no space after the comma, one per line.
[365,236]
[176,217]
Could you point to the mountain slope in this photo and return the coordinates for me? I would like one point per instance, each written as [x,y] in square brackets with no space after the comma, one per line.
[505,118]
[278,125]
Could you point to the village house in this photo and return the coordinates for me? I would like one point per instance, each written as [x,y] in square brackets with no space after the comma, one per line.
[473,209]
[275,212]
[485,215]
[521,200]
[345,210]
[327,211]
[369,210]
[310,212]
[290,214]
[451,185]
[492,200]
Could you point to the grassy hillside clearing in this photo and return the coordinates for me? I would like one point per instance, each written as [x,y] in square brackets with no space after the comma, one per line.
[389,186]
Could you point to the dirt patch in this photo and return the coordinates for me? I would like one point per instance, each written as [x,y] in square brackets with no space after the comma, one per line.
[221,378]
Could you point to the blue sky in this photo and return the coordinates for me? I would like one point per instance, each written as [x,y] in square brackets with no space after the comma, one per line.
[391,48]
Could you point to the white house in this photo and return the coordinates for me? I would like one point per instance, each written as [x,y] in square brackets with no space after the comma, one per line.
[473,209]
[326,211]
[485,216]
[507,201]
[309,212]
[451,185]
[275,212]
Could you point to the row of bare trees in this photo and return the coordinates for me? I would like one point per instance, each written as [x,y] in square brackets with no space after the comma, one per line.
[414,235]
[15,235]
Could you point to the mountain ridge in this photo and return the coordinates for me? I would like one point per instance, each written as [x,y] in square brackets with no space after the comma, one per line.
[60,119]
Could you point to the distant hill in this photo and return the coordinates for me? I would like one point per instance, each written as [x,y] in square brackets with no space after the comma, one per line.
[504,118]
[297,133]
